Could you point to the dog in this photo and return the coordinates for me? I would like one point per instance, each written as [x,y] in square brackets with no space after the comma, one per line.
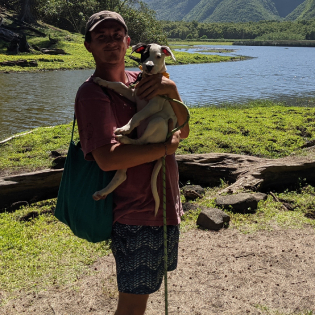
[156,112]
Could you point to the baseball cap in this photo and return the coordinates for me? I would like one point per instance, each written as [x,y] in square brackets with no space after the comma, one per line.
[101,16]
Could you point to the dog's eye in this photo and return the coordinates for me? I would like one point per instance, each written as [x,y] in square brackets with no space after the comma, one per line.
[158,56]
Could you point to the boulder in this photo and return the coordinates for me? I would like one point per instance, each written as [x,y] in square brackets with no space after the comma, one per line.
[187,206]
[213,219]
[192,192]
[243,202]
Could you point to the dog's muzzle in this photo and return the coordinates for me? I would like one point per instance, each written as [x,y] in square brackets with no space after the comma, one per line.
[149,66]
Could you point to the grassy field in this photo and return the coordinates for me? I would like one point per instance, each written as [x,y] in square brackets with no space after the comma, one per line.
[260,128]
[77,57]
[40,252]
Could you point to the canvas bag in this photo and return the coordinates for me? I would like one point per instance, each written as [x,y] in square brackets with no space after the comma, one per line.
[88,219]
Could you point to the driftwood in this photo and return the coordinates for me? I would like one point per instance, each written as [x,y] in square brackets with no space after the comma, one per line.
[20,63]
[242,171]
[245,172]
[30,187]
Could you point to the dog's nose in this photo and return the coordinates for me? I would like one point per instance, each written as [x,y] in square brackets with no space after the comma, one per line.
[149,68]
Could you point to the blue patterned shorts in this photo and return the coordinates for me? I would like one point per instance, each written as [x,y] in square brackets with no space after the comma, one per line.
[139,255]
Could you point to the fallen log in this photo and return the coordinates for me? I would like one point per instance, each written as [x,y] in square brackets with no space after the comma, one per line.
[30,187]
[241,171]
[20,63]
[245,172]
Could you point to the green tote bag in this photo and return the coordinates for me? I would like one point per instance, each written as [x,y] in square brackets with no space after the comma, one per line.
[88,219]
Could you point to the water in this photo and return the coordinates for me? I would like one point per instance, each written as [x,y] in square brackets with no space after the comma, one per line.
[29,100]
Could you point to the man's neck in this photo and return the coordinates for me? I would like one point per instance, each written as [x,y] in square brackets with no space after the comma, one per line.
[109,72]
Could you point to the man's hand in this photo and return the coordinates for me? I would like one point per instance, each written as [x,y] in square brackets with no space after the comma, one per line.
[154,85]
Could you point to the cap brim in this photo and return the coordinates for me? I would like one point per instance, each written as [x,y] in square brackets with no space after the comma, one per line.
[109,18]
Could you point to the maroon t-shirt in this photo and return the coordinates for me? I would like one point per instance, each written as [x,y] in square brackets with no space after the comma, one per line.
[98,115]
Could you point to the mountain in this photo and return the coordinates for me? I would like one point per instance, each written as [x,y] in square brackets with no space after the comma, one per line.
[305,11]
[232,10]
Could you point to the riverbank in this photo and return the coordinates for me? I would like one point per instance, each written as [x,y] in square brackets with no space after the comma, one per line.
[259,128]
[76,56]
[283,43]
[38,253]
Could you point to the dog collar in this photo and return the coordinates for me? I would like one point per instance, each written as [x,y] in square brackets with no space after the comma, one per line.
[165,74]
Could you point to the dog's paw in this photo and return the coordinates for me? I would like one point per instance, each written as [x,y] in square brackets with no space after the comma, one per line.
[97,196]
[123,139]
[125,130]
[100,81]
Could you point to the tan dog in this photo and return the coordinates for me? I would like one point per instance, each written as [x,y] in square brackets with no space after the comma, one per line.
[158,110]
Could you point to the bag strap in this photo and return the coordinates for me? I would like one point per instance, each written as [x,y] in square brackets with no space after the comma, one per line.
[74,119]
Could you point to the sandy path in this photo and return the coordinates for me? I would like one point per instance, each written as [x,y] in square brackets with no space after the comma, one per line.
[222,272]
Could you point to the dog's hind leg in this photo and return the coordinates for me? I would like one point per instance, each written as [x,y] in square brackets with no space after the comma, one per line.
[155,132]
[119,177]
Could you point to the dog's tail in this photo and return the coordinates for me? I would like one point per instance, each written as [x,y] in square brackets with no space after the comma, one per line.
[154,176]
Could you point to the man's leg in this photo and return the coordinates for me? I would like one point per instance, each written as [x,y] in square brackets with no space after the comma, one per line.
[131,304]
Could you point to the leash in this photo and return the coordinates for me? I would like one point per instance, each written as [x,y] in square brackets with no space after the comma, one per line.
[164,200]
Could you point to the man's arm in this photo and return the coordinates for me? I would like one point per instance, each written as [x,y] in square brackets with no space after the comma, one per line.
[119,156]
[158,84]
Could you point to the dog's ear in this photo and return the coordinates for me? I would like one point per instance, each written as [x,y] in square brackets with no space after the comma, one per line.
[135,58]
[166,50]
[139,48]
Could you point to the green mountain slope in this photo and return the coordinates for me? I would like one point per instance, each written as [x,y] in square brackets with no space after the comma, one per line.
[244,11]
[174,10]
[232,10]
[305,11]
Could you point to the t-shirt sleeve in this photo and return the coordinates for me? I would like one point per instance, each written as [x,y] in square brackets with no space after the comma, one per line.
[95,119]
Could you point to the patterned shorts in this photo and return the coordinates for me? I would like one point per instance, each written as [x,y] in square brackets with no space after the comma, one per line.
[139,255]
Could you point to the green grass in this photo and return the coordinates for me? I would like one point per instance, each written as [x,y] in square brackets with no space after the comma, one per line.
[42,252]
[269,213]
[260,128]
[77,57]
[33,151]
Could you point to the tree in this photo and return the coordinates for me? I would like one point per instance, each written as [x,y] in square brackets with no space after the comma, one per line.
[27,11]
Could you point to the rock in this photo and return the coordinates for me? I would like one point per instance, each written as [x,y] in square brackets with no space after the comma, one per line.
[17,205]
[192,192]
[187,206]
[243,202]
[308,144]
[55,153]
[53,51]
[213,219]
[58,162]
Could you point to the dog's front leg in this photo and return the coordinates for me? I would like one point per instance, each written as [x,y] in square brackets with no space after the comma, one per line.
[118,87]
[154,106]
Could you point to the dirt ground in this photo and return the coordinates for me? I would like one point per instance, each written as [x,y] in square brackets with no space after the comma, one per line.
[225,272]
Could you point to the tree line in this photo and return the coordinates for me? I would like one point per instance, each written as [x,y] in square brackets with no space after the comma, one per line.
[262,30]
[72,15]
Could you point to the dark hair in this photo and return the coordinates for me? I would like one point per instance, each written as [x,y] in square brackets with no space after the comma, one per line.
[88,37]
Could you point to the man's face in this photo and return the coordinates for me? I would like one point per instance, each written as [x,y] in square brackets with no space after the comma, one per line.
[109,43]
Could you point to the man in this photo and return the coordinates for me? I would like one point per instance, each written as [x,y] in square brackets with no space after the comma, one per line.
[137,237]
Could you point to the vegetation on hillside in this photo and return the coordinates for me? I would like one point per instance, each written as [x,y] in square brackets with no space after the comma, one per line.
[73,15]
[286,30]
[232,11]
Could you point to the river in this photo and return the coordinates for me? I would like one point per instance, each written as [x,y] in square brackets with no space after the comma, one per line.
[29,100]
